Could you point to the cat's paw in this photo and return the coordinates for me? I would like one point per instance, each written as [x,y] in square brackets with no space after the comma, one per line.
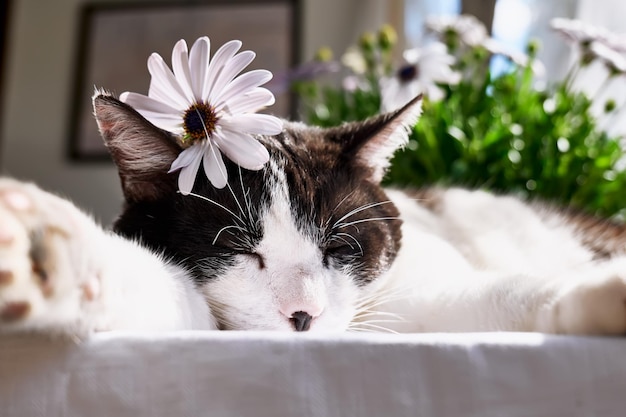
[594,306]
[43,284]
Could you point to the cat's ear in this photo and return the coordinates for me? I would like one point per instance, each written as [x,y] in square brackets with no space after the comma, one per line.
[373,142]
[142,152]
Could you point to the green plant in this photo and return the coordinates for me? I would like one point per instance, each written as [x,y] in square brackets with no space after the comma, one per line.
[497,132]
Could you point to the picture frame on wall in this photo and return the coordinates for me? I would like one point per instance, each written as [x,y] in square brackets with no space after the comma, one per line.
[116,39]
[5,9]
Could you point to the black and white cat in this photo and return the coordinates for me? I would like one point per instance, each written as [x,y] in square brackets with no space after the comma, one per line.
[310,242]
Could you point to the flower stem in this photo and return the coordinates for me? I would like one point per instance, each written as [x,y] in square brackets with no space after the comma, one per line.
[571,75]
[616,114]
[601,90]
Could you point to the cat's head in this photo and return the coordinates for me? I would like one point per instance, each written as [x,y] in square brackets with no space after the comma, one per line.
[298,244]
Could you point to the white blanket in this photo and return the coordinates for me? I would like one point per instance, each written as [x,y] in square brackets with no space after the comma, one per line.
[276,374]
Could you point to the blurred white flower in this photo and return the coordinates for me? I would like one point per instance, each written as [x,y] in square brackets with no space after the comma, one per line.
[424,69]
[577,31]
[616,41]
[211,107]
[469,30]
[615,61]
[353,83]
[595,44]
[354,60]
[517,57]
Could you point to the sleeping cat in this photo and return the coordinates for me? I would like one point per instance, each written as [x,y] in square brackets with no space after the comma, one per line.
[310,242]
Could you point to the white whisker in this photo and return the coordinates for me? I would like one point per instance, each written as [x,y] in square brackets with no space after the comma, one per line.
[375,327]
[234,226]
[367,305]
[373,219]
[368,313]
[343,240]
[373,321]
[246,195]
[377,301]
[358,330]
[235,198]
[333,211]
[212,147]
[353,238]
[217,204]
[358,210]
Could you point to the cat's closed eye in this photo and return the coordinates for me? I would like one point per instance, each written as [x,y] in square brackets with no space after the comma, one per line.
[257,257]
[339,249]
[248,253]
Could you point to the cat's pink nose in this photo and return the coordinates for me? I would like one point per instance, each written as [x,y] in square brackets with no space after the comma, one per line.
[301,321]
[301,313]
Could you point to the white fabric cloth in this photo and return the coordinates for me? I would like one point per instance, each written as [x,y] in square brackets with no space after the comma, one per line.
[275,374]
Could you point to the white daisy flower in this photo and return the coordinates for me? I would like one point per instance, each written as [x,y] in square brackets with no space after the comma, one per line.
[469,30]
[577,31]
[517,57]
[615,61]
[617,41]
[352,83]
[425,68]
[211,107]
[594,42]
[354,60]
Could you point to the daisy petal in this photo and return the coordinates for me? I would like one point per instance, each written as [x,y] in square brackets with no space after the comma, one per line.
[141,102]
[262,124]
[233,67]
[163,85]
[152,111]
[243,84]
[199,62]
[167,122]
[214,167]
[180,65]
[249,102]
[243,150]
[187,176]
[221,57]
[185,158]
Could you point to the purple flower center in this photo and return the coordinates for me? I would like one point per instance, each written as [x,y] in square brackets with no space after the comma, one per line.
[199,121]
[407,73]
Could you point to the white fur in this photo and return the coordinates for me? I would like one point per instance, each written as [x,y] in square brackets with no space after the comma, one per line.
[480,263]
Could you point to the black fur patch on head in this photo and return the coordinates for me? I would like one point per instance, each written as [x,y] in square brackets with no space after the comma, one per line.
[206,229]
